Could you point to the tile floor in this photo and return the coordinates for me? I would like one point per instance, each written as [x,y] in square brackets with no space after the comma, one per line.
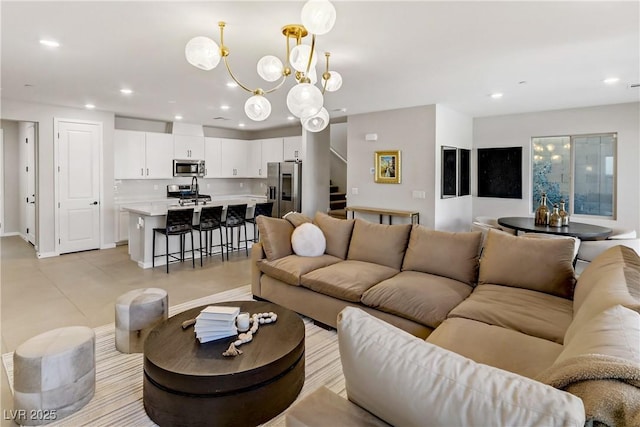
[37,295]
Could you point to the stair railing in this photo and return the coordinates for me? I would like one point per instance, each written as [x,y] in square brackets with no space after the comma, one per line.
[338,155]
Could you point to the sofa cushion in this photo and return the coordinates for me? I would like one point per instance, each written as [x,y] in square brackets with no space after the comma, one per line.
[533,313]
[452,255]
[379,243]
[543,265]
[308,240]
[275,235]
[289,269]
[421,297]
[296,218]
[496,346]
[346,280]
[614,332]
[409,382]
[337,232]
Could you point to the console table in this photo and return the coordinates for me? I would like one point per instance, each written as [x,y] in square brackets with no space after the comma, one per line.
[415,216]
[576,229]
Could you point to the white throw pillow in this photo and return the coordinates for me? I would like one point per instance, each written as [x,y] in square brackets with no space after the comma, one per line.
[409,382]
[308,240]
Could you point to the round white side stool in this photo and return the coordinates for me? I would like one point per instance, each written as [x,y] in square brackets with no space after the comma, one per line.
[137,313]
[54,375]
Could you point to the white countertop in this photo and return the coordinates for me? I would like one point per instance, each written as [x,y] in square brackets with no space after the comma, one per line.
[161,208]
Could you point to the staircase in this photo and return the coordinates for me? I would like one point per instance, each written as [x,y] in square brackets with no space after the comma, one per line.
[337,202]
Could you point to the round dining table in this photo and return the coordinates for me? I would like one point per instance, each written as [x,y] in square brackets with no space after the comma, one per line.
[575,229]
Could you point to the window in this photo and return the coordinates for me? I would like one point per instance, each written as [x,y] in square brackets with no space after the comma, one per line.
[578,169]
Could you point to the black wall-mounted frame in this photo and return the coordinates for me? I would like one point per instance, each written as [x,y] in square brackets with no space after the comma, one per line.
[449,172]
[500,172]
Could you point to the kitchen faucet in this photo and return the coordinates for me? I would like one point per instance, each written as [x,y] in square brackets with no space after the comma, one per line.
[195,178]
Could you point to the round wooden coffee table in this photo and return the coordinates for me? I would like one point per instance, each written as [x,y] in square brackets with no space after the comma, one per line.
[188,383]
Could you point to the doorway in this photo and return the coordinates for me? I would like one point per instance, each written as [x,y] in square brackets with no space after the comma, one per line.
[77,162]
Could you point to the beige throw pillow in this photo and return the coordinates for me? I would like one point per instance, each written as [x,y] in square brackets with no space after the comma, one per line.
[452,255]
[543,265]
[275,235]
[379,243]
[296,218]
[337,232]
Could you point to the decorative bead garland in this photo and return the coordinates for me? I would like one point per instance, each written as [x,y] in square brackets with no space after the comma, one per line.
[257,319]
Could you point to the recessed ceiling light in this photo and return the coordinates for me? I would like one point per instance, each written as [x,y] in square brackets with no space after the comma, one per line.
[49,43]
[89,106]
[611,80]
[232,84]
[126,91]
[224,107]
[178,117]
[241,125]
[496,95]
[290,118]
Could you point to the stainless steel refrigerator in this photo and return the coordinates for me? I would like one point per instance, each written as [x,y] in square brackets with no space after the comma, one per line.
[284,181]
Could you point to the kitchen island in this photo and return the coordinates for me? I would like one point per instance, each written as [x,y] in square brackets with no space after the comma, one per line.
[144,217]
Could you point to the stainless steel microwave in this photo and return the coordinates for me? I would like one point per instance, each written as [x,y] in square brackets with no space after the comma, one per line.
[188,168]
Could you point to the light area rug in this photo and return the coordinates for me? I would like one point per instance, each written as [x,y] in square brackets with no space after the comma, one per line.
[118,397]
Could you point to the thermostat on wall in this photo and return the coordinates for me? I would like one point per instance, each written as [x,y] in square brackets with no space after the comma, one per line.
[371,137]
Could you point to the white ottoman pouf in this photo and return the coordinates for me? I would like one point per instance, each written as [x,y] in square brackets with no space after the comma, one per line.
[54,374]
[137,313]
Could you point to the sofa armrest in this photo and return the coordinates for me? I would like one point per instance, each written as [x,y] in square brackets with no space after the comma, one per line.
[325,408]
[409,382]
[257,254]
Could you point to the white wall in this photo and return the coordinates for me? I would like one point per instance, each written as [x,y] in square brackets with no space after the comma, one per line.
[315,172]
[413,132]
[516,131]
[44,115]
[453,129]
[338,168]
[11,177]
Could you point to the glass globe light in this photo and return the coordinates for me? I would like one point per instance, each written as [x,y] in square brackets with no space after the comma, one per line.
[203,53]
[335,82]
[257,108]
[304,100]
[299,57]
[270,68]
[318,16]
[313,76]
[318,122]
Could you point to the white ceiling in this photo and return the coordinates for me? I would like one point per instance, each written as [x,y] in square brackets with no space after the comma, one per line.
[391,55]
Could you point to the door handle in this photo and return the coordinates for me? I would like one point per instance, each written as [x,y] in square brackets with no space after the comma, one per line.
[94,203]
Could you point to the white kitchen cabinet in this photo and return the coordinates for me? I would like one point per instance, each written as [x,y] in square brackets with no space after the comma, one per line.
[123,226]
[212,157]
[271,151]
[254,158]
[142,155]
[188,147]
[129,154]
[233,158]
[159,156]
[292,148]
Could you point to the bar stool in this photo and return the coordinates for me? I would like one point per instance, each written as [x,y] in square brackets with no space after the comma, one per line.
[179,223]
[210,220]
[236,218]
[265,209]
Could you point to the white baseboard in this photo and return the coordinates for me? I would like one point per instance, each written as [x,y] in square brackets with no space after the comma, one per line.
[46,254]
[11,233]
[108,246]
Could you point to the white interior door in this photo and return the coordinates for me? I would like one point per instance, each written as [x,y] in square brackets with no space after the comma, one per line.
[78,186]
[30,198]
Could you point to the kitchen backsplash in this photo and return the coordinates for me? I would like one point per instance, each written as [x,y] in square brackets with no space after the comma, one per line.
[148,189]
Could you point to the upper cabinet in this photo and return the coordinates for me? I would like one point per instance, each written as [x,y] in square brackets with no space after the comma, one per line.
[271,151]
[142,155]
[188,147]
[233,157]
[213,157]
[292,148]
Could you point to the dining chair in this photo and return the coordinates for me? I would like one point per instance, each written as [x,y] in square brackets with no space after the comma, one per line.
[179,223]
[265,209]
[210,220]
[236,218]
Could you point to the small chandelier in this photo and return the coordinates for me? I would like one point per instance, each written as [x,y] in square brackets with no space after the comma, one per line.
[304,100]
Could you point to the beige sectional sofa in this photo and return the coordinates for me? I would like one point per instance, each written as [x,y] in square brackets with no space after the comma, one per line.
[511,338]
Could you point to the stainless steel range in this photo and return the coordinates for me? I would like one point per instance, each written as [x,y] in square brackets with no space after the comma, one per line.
[188,194]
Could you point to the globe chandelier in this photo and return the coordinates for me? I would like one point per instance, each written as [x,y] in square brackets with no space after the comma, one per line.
[304,100]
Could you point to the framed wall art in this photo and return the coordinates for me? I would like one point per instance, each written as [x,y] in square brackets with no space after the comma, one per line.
[500,172]
[388,167]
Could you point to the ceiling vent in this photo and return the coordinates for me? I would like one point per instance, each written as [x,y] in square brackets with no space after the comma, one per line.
[632,85]
[220,118]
